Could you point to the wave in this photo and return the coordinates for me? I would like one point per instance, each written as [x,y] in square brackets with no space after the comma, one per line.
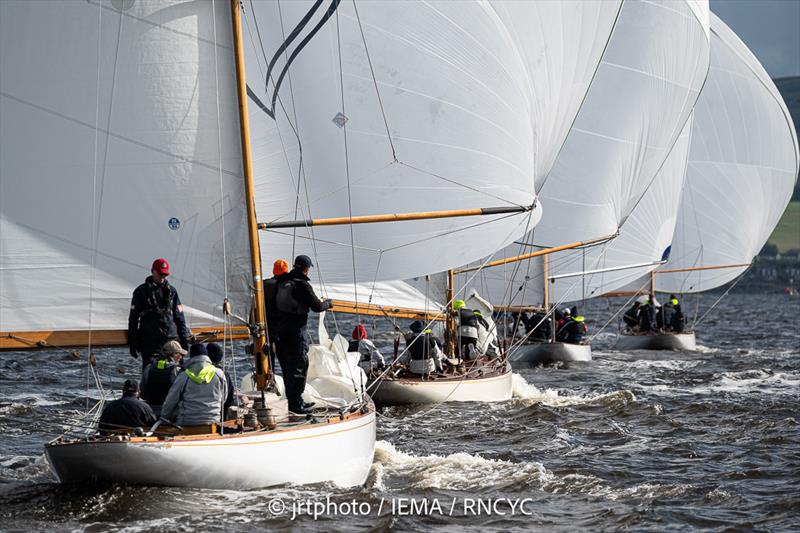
[457,471]
[526,391]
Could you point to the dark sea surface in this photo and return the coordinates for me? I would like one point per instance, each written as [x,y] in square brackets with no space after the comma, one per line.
[653,441]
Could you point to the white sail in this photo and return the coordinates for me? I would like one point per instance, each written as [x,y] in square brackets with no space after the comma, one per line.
[635,109]
[120,144]
[387,294]
[643,240]
[743,164]
[561,44]
[388,107]
[643,92]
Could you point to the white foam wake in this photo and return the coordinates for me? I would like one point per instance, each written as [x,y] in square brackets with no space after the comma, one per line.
[553,398]
[457,471]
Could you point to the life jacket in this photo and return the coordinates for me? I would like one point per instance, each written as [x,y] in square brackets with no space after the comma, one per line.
[160,375]
[203,377]
[285,300]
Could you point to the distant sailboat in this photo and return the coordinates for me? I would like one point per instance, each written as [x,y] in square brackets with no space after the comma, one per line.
[614,163]
[743,164]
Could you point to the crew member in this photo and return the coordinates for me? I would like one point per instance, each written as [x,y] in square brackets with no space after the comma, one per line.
[423,353]
[126,413]
[198,394]
[159,375]
[539,326]
[294,298]
[647,315]
[156,315]
[468,323]
[216,354]
[574,328]
[631,316]
[678,321]
[280,270]
[370,355]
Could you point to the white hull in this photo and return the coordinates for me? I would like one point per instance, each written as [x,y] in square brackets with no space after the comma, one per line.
[338,452]
[550,352]
[666,341]
[414,391]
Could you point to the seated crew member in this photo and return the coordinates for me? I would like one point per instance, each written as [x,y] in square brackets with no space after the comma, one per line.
[631,316]
[216,354]
[574,328]
[370,355]
[159,375]
[423,353]
[647,315]
[126,413]
[198,394]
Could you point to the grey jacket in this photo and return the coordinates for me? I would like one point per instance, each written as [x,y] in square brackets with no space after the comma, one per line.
[189,403]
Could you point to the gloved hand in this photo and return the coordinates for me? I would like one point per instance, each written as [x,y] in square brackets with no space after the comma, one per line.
[328,303]
[134,353]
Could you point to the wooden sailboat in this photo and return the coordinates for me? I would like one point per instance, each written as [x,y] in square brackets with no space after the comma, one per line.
[331,446]
[743,143]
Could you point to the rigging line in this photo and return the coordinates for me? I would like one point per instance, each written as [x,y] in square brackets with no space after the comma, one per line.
[374,80]
[94,228]
[740,278]
[585,94]
[347,163]
[221,183]
[463,185]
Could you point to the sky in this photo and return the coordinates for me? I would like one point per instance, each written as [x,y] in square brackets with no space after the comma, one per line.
[770,28]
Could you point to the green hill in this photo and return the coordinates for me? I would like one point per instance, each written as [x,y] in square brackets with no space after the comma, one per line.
[787,233]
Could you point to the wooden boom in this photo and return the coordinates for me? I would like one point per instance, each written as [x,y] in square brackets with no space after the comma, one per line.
[394,217]
[538,253]
[356,308]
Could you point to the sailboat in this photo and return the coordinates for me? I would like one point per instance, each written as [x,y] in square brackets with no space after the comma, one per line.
[743,165]
[121,139]
[613,164]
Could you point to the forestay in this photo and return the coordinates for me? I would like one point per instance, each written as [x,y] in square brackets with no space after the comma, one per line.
[120,144]
[387,107]
[743,164]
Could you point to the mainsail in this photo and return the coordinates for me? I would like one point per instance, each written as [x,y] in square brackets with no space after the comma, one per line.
[120,144]
[387,107]
[743,164]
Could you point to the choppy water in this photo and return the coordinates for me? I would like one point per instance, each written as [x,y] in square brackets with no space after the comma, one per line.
[644,441]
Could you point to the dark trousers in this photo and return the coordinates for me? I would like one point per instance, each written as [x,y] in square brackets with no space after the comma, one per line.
[292,351]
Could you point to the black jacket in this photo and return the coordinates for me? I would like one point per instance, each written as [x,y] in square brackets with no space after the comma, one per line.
[156,316]
[156,381]
[128,411]
[302,294]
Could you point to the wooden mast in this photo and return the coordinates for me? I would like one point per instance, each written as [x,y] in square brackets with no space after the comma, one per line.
[258,330]
[451,325]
